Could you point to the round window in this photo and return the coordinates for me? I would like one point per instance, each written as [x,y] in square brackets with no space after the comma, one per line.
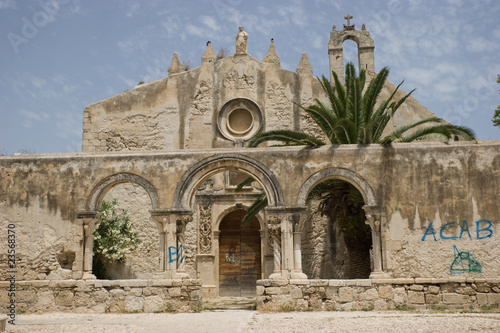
[239,119]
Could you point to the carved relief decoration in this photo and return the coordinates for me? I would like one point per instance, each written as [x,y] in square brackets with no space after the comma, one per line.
[205,228]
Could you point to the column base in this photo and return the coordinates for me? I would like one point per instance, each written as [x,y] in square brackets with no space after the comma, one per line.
[276,276]
[88,276]
[379,275]
[299,275]
[181,275]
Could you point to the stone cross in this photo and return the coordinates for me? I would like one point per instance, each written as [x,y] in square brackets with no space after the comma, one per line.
[348,18]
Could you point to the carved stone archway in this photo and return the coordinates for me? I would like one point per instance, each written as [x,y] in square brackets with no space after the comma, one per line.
[184,193]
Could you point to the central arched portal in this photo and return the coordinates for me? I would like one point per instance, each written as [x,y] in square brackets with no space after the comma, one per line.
[239,256]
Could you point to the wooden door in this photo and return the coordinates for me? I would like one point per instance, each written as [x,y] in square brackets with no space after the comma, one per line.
[239,256]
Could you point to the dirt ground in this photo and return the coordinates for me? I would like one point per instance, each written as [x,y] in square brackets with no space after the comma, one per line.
[253,321]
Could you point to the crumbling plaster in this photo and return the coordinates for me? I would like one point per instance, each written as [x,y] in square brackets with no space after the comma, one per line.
[415,184]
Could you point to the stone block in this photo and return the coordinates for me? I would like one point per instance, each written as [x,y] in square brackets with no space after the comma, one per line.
[346,294]
[493,298]
[260,290]
[318,283]
[316,303]
[272,291]
[25,296]
[400,296]
[45,300]
[465,291]
[331,292]
[452,298]
[432,299]
[385,291]
[64,299]
[482,298]
[380,305]
[416,287]
[416,297]
[174,292]
[135,292]
[284,290]
[117,293]
[153,304]
[433,290]
[163,283]
[370,294]
[82,299]
[296,292]
[364,283]
[134,304]
[301,305]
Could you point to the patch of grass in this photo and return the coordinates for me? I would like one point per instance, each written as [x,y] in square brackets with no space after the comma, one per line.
[197,306]
[287,307]
[369,308]
[169,308]
[436,307]
[404,307]
[490,308]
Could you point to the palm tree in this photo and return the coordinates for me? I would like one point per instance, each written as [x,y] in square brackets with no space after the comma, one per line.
[351,117]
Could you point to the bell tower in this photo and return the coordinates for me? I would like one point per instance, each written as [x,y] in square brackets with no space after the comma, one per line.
[365,44]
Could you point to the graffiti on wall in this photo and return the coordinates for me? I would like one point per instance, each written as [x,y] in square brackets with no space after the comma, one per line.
[174,254]
[232,257]
[463,261]
[483,230]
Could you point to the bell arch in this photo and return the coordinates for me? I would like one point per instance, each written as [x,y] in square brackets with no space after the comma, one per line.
[365,44]
[100,190]
[184,192]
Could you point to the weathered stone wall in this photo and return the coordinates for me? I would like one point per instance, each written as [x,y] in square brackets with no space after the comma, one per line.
[103,296]
[415,185]
[387,294]
[182,111]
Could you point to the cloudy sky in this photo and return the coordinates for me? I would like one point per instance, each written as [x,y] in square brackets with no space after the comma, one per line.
[58,56]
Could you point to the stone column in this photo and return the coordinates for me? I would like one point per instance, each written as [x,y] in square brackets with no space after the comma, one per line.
[274,229]
[89,221]
[373,219]
[162,225]
[181,222]
[297,273]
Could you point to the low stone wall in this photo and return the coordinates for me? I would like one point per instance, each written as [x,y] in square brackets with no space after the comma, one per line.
[100,296]
[381,294]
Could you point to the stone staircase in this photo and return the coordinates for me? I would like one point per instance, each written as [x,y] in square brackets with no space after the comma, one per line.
[230,303]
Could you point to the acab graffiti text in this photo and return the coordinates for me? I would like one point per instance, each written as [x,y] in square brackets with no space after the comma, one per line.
[483,230]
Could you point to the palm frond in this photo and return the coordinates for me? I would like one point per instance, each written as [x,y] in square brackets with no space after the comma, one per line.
[288,137]
[254,209]
[247,181]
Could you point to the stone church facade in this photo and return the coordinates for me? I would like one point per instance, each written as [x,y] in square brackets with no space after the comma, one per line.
[173,151]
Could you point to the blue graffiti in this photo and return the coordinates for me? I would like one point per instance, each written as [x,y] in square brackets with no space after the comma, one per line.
[174,255]
[483,230]
[464,262]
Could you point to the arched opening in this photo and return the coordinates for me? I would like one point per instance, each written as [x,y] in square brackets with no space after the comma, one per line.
[351,52]
[239,256]
[137,196]
[336,242]
[142,262]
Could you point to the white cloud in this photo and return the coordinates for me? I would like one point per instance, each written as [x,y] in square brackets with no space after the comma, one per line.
[210,22]
[196,31]
[481,44]
[5,4]
[132,9]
